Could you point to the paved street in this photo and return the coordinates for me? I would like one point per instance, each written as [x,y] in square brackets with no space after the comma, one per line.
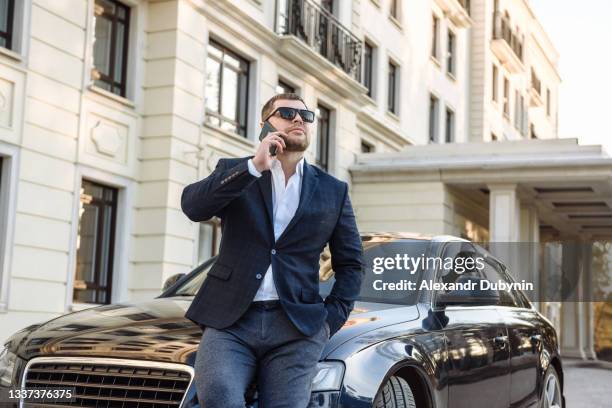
[587,383]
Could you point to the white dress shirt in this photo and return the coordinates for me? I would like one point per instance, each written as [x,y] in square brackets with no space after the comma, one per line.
[285,200]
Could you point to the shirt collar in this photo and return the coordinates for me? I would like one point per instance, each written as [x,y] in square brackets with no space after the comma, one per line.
[299,167]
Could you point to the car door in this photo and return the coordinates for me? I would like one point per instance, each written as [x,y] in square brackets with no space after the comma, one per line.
[524,333]
[477,348]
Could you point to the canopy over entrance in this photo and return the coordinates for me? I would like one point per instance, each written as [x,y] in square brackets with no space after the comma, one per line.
[528,191]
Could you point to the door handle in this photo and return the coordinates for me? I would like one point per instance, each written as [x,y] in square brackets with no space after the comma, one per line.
[536,338]
[501,341]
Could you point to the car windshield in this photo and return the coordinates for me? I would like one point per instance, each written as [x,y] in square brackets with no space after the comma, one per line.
[374,248]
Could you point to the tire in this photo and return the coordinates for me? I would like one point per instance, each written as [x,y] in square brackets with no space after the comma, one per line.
[396,393]
[551,396]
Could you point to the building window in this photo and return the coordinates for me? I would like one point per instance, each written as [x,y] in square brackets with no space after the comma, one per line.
[110,46]
[506,98]
[517,109]
[433,118]
[394,10]
[523,121]
[392,88]
[435,32]
[366,147]
[494,84]
[450,126]
[532,132]
[323,136]
[368,66]
[227,83]
[450,60]
[494,137]
[95,243]
[283,87]
[329,5]
[209,239]
[548,102]
[7,12]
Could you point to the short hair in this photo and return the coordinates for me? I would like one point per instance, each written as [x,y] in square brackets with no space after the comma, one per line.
[267,108]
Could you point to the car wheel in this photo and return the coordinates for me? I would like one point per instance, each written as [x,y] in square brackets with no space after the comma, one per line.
[551,392]
[396,393]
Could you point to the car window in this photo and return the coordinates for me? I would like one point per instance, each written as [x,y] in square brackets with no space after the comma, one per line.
[480,268]
[520,297]
[493,272]
[380,246]
[454,265]
[373,282]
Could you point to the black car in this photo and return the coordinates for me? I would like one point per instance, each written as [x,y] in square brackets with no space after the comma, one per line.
[399,348]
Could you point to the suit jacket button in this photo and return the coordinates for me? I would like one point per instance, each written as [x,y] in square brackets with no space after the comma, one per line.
[273,251]
[258,276]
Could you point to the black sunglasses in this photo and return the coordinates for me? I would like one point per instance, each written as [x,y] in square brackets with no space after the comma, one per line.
[289,114]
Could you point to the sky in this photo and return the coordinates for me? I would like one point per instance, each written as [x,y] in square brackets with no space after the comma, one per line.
[582,33]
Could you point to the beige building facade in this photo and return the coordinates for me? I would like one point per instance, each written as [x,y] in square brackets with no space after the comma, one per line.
[112,107]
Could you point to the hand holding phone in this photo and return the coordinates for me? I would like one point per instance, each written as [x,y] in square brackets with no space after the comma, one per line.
[267,128]
[272,140]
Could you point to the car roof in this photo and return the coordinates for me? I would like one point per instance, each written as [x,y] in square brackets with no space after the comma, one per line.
[389,235]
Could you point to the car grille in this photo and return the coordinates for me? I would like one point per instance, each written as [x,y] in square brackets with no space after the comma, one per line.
[112,383]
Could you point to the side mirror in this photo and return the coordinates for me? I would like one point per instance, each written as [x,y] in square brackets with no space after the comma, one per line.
[472,295]
[172,280]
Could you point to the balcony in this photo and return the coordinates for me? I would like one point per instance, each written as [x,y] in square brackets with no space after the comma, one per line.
[458,11]
[535,91]
[506,44]
[309,34]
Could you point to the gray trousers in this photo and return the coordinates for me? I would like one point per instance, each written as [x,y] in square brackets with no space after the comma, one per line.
[263,345]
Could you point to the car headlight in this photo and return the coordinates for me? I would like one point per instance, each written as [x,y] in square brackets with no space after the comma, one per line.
[7,365]
[328,377]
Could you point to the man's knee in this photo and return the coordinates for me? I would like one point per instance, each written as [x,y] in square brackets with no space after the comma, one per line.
[212,392]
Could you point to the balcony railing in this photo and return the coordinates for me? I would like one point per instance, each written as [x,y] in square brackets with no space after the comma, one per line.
[502,30]
[322,32]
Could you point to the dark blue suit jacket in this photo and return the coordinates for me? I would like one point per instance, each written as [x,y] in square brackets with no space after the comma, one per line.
[244,204]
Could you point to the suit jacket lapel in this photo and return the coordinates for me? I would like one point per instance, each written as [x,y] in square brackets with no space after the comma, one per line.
[310,181]
[265,187]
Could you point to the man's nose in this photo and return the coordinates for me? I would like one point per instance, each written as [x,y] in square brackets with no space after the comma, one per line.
[298,118]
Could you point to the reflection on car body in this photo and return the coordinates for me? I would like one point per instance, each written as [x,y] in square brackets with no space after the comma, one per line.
[441,349]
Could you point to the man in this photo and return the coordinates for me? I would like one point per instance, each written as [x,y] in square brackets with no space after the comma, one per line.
[260,306]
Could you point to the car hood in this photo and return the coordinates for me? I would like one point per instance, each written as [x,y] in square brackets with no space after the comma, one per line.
[158,330]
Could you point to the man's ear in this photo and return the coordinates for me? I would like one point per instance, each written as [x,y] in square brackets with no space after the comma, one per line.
[260,124]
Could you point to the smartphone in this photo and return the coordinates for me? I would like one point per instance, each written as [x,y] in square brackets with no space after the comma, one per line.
[267,128]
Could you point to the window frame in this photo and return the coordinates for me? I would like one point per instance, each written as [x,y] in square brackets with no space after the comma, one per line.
[435,38]
[9,34]
[323,147]
[434,116]
[395,10]
[369,147]
[286,86]
[495,84]
[452,126]
[392,87]
[109,79]
[368,76]
[242,128]
[506,104]
[112,239]
[451,53]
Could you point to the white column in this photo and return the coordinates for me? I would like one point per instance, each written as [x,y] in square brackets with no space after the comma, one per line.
[503,213]
[577,313]
[586,278]
[529,249]
[504,224]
